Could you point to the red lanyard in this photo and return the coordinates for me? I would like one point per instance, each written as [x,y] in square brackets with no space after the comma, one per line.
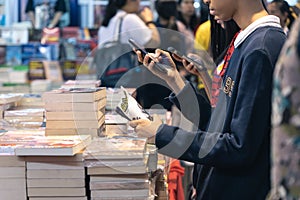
[220,71]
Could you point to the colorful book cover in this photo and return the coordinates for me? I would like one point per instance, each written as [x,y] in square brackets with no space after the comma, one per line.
[54,146]
[13,55]
[36,70]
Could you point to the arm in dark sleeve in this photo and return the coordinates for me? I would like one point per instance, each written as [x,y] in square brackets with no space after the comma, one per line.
[192,105]
[60,6]
[29,6]
[249,125]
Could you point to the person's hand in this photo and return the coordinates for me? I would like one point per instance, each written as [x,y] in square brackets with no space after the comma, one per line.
[146,14]
[164,59]
[146,128]
[190,67]
[171,76]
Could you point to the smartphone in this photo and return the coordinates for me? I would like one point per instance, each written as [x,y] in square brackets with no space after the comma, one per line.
[198,64]
[139,47]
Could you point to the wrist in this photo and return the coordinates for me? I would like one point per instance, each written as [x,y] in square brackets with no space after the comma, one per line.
[50,26]
[177,83]
[150,22]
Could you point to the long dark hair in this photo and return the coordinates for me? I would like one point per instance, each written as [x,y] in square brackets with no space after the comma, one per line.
[221,38]
[111,9]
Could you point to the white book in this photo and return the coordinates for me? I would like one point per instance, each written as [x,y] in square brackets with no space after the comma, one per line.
[55,165]
[13,183]
[120,193]
[58,198]
[55,173]
[12,172]
[56,182]
[11,161]
[56,192]
[13,194]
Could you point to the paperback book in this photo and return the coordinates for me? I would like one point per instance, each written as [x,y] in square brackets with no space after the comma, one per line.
[129,108]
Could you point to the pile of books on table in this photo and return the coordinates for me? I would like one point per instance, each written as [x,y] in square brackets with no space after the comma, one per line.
[117,168]
[39,167]
[75,111]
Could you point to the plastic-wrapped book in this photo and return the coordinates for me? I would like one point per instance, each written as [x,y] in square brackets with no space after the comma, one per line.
[129,108]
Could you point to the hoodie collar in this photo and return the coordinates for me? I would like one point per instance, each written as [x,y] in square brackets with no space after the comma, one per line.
[269,20]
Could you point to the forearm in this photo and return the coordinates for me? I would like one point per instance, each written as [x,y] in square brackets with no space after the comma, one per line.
[155,38]
[56,19]
[176,84]
[31,17]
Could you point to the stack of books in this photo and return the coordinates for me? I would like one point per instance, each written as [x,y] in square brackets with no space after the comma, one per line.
[12,178]
[8,101]
[32,100]
[117,168]
[75,111]
[115,125]
[56,177]
[25,117]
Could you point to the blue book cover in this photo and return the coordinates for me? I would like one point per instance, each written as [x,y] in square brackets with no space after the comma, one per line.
[14,55]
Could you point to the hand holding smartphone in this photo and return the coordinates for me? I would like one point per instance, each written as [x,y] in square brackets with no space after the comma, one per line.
[198,64]
[139,47]
[203,73]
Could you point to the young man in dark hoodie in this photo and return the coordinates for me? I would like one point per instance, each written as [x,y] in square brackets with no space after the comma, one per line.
[231,147]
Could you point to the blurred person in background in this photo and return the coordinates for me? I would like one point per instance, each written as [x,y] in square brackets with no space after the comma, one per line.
[187,15]
[48,13]
[137,24]
[282,9]
[286,120]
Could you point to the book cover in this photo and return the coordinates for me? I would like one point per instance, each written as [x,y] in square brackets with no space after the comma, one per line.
[69,69]
[129,108]
[10,98]
[13,55]
[36,70]
[25,112]
[54,145]
[28,52]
